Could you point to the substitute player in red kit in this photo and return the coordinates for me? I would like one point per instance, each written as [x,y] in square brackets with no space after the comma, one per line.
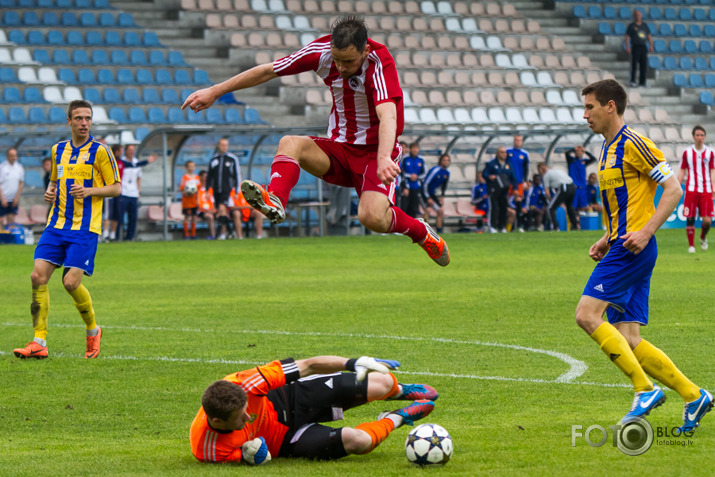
[698,163]
[361,149]
[275,410]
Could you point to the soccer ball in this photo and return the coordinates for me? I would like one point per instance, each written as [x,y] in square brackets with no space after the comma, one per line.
[429,444]
[190,189]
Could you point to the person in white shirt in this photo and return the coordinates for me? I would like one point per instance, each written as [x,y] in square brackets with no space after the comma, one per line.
[131,186]
[559,189]
[12,180]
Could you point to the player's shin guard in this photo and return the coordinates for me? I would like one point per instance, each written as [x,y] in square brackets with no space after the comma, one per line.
[394,390]
[659,366]
[83,303]
[616,348]
[39,308]
[285,172]
[377,430]
[404,224]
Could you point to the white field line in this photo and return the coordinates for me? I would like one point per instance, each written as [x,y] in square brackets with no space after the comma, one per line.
[576,367]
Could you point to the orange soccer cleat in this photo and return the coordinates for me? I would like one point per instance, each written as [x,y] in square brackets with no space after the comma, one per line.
[435,246]
[259,198]
[93,343]
[31,350]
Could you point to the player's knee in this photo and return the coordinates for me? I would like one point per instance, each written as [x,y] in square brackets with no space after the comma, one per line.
[70,283]
[291,146]
[379,384]
[370,219]
[356,441]
[37,278]
[586,320]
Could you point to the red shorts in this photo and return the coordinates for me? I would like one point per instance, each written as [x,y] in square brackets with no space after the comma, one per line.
[355,166]
[701,202]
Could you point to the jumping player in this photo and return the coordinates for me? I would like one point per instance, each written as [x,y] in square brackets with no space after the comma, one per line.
[629,169]
[274,410]
[361,150]
[699,163]
[84,171]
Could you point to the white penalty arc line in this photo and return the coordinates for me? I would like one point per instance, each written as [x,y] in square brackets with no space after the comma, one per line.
[576,367]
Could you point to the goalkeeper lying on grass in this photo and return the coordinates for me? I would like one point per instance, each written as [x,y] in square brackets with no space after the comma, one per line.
[275,410]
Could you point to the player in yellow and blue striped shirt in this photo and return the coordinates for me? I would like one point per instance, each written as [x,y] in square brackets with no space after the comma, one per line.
[84,171]
[630,168]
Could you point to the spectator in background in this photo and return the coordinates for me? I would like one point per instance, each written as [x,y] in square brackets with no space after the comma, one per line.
[131,187]
[242,212]
[12,180]
[480,197]
[207,206]
[223,178]
[563,193]
[519,159]
[413,173]
[400,190]
[189,188]
[434,188]
[593,194]
[47,169]
[535,203]
[499,174]
[638,45]
[578,159]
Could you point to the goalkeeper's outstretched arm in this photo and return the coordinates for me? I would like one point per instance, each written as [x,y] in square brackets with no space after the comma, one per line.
[333,364]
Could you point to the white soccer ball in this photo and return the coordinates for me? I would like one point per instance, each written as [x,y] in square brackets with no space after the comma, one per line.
[429,444]
[190,189]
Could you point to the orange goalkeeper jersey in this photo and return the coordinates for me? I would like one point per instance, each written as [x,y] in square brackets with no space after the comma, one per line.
[209,445]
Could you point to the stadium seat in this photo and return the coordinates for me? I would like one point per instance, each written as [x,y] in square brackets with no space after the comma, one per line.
[72,93]
[33,95]
[176,116]
[11,18]
[604,28]
[705,46]
[16,115]
[695,30]
[119,57]
[125,76]
[74,38]
[125,20]
[579,11]
[69,19]
[150,96]
[36,37]
[52,94]
[111,96]
[169,96]
[176,59]
[680,80]
[665,29]
[696,81]
[141,133]
[131,39]
[11,95]
[233,116]
[162,76]
[251,116]
[710,79]
[105,76]
[79,57]
[706,98]
[595,12]
[30,18]
[151,40]
[156,116]
[670,63]
[50,19]
[106,19]
[709,30]
[655,13]
[99,115]
[513,115]
[659,46]
[654,63]
[117,114]
[196,118]
[92,95]
[181,77]
[37,116]
[113,38]
[86,76]
[680,30]
[685,14]
[66,75]
[137,115]
[99,57]
[157,58]
[87,19]
[57,115]
[7,75]
[16,36]
[201,77]
[689,46]
[547,116]
[675,47]
[686,63]
[94,38]
[669,13]
[41,56]
[22,56]
[609,13]
[144,76]
[138,58]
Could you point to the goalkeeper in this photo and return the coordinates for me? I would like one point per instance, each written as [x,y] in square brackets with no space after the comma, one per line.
[276,410]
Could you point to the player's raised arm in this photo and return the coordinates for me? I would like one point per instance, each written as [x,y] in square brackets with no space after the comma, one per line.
[332,364]
[204,98]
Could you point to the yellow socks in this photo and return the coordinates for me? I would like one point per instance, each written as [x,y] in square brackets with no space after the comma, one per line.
[39,309]
[83,303]
[657,364]
[616,348]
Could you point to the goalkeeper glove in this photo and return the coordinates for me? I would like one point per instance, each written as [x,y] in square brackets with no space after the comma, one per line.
[255,452]
[363,365]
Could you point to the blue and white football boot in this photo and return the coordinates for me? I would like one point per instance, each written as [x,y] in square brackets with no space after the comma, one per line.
[694,411]
[644,402]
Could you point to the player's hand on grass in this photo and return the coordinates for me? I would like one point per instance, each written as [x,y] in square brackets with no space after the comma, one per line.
[255,452]
[366,364]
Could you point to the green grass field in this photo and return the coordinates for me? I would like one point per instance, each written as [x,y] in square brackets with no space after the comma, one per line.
[494,332]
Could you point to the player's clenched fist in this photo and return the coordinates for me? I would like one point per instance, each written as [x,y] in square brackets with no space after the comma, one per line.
[255,452]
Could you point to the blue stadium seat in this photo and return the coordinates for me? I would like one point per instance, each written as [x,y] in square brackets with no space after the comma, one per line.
[105,76]
[665,29]
[156,116]
[670,63]
[141,132]
[233,116]
[26,3]
[680,30]
[144,76]
[710,79]
[690,47]
[41,56]
[604,28]
[117,114]
[16,36]
[3,118]
[55,38]
[711,14]
[94,38]
[64,3]
[57,115]
[16,115]
[36,37]
[176,59]
[11,95]
[694,30]
[87,19]
[30,18]
[654,63]
[86,76]
[99,57]
[176,116]
[594,11]
[33,95]
[706,97]
[169,96]
[579,11]
[157,58]
[251,116]
[7,75]
[106,19]
[112,38]
[125,76]
[150,39]
[61,57]
[162,76]
[701,63]
[138,58]
[37,116]
[150,96]
[136,115]
[654,13]
[696,81]
[685,14]
[680,80]
[74,38]
[686,63]
[119,57]
[131,38]
[201,77]
[214,116]
[80,57]
[659,46]
[82,4]
[675,47]
[34,179]
[131,96]
[619,28]
[185,92]
[46,3]
[11,18]
[700,15]
[625,13]
[181,77]
[705,46]
[66,75]
[196,118]
[100,4]
[92,95]
[69,19]
[126,20]
[669,13]
[111,96]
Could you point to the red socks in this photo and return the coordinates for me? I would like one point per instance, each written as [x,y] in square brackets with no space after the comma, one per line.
[690,230]
[406,225]
[285,172]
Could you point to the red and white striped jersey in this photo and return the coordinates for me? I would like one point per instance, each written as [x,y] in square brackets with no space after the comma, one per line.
[353,118]
[697,166]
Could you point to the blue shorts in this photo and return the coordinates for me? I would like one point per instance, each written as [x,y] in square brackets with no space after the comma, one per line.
[71,248]
[622,279]
[580,200]
[9,210]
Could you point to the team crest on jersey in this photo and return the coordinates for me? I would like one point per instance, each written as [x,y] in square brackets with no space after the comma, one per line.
[84,157]
[60,171]
[355,83]
[612,160]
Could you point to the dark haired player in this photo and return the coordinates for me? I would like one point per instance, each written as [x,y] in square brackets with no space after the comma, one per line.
[361,149]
